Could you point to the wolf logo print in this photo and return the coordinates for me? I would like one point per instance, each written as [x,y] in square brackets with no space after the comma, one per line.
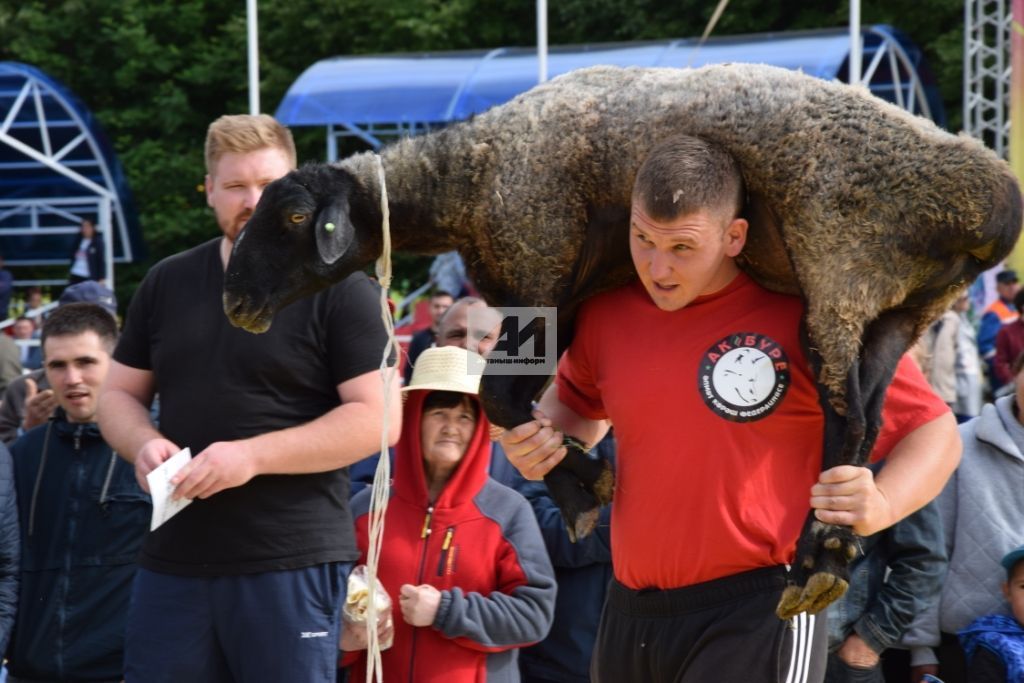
[744,376]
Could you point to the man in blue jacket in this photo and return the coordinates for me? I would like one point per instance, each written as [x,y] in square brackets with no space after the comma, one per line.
[82,517]
[10,549]
[582,571]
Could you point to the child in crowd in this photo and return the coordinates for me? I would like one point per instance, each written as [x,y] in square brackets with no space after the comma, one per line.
[994,644]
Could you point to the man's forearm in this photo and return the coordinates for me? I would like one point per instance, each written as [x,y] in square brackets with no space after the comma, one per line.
[125,423]
[919,466]
[568,421]
[345,435]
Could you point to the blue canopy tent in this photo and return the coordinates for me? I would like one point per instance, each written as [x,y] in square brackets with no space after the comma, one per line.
[56,169]
[374,96]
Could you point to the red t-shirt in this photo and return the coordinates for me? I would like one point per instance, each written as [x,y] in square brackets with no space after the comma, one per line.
[718,427]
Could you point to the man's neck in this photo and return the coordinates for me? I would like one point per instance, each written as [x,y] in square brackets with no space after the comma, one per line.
[225,251]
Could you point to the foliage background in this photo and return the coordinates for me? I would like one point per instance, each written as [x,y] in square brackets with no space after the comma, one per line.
[155,73]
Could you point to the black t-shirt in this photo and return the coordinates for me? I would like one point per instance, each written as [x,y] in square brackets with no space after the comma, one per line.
[219,383]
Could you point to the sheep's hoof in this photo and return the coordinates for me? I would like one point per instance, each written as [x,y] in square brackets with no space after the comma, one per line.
[820,575]
[593,472]
[579,507]
[821,591]
[585,523]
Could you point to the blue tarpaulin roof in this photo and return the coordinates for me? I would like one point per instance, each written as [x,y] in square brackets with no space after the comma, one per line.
[436,88]
[56,165]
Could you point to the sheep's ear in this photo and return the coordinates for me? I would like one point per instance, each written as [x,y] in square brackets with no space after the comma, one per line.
[334,231]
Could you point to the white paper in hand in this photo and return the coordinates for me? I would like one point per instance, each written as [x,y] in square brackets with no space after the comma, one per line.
[161,488]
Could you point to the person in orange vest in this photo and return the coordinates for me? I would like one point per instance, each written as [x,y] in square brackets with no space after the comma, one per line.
[1000,312]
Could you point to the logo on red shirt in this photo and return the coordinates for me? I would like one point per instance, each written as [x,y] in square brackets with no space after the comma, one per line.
[744,376]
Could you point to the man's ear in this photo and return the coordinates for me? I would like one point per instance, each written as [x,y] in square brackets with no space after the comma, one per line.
[735,236]
[209,186]
[333,230]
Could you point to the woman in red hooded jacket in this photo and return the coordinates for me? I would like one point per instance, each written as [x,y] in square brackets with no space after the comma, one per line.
[462,554]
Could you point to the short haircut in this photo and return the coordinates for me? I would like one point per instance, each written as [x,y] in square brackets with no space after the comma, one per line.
[244,133]
[683,174]
[438,293]
[457,305]
[71,320]
[450,399]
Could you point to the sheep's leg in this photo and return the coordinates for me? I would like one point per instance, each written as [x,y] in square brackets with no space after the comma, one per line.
[824,551]
[582,482]
[820,575]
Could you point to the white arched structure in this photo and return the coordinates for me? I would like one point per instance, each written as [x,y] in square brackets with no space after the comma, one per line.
[56,169]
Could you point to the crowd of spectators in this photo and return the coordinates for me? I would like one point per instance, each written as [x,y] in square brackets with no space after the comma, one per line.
[247,583]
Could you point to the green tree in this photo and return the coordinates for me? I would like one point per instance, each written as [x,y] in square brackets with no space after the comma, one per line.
[154,74]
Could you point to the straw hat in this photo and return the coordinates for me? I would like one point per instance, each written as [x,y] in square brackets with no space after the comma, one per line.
[447,368]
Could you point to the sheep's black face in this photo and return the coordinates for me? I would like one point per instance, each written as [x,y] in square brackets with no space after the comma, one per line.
[299,240]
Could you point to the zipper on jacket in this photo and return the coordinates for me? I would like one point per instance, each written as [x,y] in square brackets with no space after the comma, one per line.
[425,537]
[425,531]
[78,437]
[446,550]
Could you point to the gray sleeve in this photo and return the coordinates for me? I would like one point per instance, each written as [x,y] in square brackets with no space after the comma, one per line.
[12,410]
[520,610]
[10,549]
[10,365]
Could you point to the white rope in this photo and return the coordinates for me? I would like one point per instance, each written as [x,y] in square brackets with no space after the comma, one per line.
[382,477]
[715,16]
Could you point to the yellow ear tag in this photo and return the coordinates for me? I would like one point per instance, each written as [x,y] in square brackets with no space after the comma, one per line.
[329,227]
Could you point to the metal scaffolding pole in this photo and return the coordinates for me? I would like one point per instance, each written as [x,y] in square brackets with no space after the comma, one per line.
[987,72]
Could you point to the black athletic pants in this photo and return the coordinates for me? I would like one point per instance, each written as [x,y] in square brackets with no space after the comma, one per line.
[721,631]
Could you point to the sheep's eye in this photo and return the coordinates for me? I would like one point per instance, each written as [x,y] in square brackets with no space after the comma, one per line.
[297,218]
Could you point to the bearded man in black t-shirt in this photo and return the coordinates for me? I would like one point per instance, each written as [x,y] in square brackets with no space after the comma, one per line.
[245,583]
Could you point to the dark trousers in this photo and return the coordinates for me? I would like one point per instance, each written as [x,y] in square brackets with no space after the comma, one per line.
[723,630]
[952,663]
[271,626]
[839,671]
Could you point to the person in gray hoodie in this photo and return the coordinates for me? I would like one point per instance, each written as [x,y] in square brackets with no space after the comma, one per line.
[981,508]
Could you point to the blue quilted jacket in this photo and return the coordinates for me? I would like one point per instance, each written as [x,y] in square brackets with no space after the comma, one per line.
[981,518]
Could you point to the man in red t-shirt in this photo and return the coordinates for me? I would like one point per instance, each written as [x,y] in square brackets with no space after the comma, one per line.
[720,436]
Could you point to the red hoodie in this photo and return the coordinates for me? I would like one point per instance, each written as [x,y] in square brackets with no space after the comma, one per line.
[479,544]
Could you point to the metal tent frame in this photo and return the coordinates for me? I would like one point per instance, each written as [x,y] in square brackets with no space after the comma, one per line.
[377,97]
